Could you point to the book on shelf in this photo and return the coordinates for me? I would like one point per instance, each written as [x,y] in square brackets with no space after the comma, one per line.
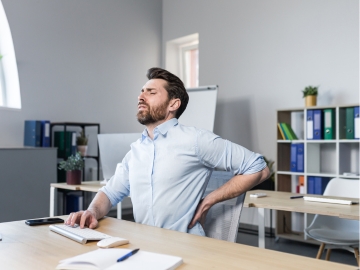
[297,157]
[107,259]
[45,133]
[350,123]
[357,122]
[318,125]
[32,133]
[68,148]
[286,131]
[37,133]
[329,124]
[317,184]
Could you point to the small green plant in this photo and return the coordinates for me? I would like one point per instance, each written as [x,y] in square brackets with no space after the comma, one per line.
[310,91]
[82,139]
[74,162]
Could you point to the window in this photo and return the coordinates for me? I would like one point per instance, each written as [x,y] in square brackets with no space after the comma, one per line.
[9,78]
[182,59]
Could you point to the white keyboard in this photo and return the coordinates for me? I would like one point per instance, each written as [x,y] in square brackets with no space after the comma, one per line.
[77,234]
[328,200]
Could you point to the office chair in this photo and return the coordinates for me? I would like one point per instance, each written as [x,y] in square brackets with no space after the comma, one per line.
[334,232]
[222,220]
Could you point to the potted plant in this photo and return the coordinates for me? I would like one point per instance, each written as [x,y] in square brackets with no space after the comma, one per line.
[81,142]
[73,167]
[310,93]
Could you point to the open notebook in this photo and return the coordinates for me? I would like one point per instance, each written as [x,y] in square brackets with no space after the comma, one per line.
[106,259]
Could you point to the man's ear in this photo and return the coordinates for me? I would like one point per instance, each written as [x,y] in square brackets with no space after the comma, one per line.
[174,104]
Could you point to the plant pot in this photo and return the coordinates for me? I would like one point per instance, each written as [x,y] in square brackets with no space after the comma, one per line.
[310,101]
[82,149]
[73,177]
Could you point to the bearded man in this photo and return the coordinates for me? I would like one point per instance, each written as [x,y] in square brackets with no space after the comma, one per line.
[167,170]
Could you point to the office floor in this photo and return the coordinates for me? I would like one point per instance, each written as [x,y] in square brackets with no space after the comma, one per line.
[288,246]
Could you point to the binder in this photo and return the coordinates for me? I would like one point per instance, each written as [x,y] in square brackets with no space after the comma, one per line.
[32,133]
[329,124]
[45,133]
[311,185]
[59,142]
[356,123]
[317,125]
[301,185]
[320,185]
[293,157]
[350,123]
[310,124]
[300,157]
[281,132]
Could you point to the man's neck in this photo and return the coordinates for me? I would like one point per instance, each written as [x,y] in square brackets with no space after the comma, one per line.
[150,127]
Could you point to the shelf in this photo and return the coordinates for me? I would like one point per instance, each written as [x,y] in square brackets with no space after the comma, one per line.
[322,158]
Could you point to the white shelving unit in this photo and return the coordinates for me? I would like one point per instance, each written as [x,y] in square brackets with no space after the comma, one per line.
[324,158]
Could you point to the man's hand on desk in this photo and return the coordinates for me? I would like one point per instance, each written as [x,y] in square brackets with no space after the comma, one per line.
[83,218]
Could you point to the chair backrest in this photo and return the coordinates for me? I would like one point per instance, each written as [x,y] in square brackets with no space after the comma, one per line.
[342,188]
[222,220]
[113,148]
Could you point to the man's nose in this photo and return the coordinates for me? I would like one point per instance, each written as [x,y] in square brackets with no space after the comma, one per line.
[141,96]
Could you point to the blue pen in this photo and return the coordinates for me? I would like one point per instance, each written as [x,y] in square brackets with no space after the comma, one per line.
[127,255]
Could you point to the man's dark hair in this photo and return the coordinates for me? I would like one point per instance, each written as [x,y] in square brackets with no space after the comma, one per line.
[175,87]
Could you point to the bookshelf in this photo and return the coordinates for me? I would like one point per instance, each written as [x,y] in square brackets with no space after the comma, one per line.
[322,158]
[69,201]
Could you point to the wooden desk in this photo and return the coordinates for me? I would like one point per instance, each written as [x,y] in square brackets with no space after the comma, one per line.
[90,186]
[277,200]
[25,247]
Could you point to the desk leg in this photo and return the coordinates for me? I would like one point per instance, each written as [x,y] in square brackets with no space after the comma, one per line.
[52,201]
[261,221]
[119,210]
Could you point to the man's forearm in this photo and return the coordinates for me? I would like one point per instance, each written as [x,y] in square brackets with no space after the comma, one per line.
[236,186]
[100,205]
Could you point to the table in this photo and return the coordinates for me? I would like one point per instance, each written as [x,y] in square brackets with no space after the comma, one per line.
[25,247]
[278,200]
[90,186]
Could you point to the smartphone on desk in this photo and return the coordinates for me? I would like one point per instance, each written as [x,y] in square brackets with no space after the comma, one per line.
[42,221]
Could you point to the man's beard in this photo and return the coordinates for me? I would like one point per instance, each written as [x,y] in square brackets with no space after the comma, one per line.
[152,115]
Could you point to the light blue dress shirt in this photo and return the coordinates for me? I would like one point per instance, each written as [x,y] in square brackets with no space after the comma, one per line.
[166,177]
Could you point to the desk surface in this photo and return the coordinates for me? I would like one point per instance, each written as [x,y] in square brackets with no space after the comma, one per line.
[281,201]
[25,247]
[92,186]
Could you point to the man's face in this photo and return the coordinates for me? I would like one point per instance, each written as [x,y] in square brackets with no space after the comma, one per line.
[153,102]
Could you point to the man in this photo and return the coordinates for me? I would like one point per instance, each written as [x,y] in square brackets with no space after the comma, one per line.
[167,169]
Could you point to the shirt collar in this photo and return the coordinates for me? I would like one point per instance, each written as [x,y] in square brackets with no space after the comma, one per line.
[163,128]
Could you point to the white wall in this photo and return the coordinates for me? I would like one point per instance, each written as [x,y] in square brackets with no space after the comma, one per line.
[262,53]
[81,61]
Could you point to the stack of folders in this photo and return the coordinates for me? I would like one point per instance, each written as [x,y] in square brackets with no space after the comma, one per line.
[287,133]
[320,124]
[297,157]
[316,184]
[37,133]
[107,259]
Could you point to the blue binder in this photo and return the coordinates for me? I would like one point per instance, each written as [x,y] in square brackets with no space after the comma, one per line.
[45,133]
[320,185]
[356,123]
[318,125]
[300,157]
[310,124]
[32,133]
[293,157]
[311,185]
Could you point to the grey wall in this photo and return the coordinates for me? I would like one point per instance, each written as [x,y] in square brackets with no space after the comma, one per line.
[81,60]
[262,53]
